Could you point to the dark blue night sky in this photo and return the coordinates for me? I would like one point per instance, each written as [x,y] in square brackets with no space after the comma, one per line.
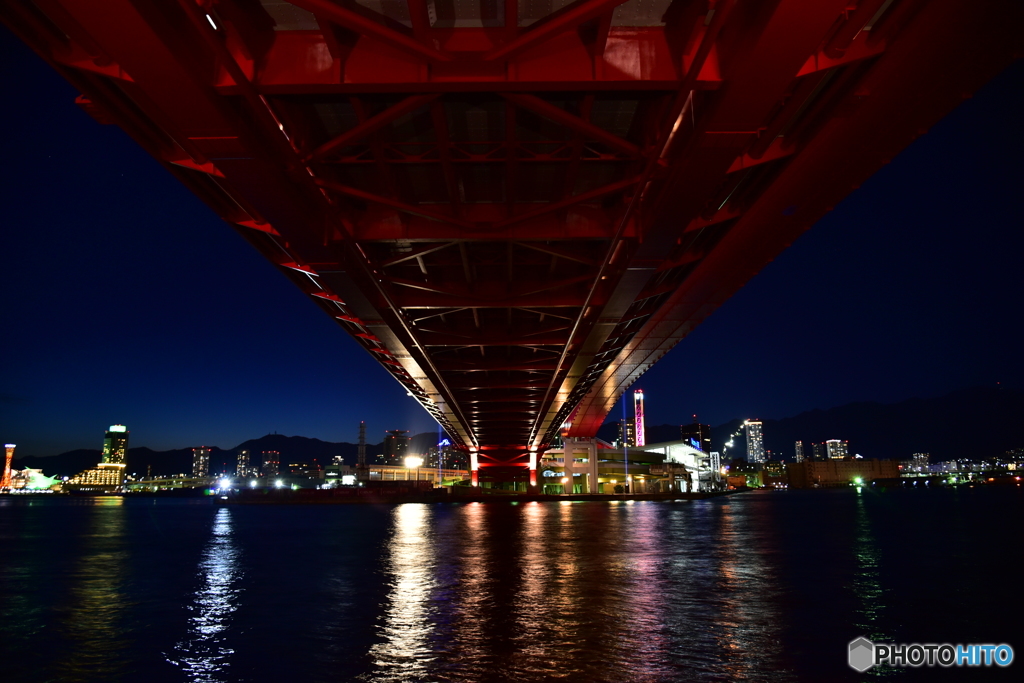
[125,300]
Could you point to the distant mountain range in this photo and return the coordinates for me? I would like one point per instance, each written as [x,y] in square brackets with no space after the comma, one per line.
[973,423]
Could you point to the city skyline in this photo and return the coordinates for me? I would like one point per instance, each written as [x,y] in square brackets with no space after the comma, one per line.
[917,264]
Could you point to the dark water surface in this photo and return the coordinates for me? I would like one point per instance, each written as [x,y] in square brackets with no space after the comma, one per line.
[754,587]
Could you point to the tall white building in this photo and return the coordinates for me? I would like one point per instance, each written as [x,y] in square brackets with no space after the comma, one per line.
[755,442]
[799,451]
[242,469]
[837,449]
[200,462]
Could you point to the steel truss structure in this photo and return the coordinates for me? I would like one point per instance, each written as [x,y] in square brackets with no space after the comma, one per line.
[518,206]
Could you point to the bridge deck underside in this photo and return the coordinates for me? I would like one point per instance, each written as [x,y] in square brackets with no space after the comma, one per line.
[516,210]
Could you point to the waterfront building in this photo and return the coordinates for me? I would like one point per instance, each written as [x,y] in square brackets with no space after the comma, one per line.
[595,466]
[33,480]
[108,475]
[242,468]
[446,456]
[837,449]
[271,463]
[799,451]
[438,477]
[814,474]
[755,441]
[773,474]
[919,462]
[818,451]
[103,478]
[698,435]
[200,462]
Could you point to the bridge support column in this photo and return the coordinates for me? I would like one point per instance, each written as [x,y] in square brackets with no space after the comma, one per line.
[533,469]
[474,468]
[571,448]
[567,465]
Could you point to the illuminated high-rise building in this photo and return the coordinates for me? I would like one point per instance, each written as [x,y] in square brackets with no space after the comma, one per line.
[799,451]
[818,451]
[627,433]
[115,445]
[200,462]
[837,449]
[361,453]
[5,483]
[108,475]
[242,468]
[919,461]
[271,463]
[638,416]
[755,442]
[697,435]
[396,446]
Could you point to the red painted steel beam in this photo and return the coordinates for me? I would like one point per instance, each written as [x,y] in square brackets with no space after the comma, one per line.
[393,203]
[581,198]
[841,40]
[916,82]
[300,62]
[370,126]
[367,27]
[585,128]
[566,19]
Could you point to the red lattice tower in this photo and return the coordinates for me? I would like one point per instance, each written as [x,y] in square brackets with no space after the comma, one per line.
[5,483]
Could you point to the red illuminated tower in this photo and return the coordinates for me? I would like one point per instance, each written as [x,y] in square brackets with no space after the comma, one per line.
[6,482]
[638,416]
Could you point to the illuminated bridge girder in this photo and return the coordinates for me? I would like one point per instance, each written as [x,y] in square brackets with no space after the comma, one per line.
[517,215]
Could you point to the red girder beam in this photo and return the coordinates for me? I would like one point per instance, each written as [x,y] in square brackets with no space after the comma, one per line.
[573,122]
[370,126]
[393,203]
[842,38]
[563,20]
[419,16]
[569,201]
[368,27]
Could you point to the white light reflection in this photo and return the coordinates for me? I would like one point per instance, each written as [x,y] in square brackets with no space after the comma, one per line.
[406,650]
[203,655]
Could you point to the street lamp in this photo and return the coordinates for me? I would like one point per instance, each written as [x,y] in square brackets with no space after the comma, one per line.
[413,462]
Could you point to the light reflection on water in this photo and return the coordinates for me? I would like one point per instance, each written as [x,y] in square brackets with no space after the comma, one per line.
[587,592]
[92,618]
[204,654]
[405,650]
[866,585]
[755,587]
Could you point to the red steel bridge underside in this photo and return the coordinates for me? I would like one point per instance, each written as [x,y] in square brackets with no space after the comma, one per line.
[518,207]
